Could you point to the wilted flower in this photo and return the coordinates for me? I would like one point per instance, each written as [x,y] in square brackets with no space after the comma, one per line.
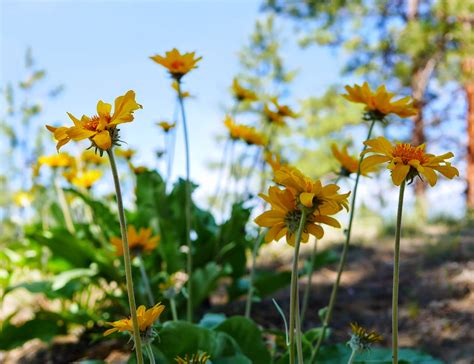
[362,339]
[406,161]
[242,93]
[379,103]
[61,160]
[193,359]
[176,63]
[166,126]
[146,318]
[101,128]
[138,242]
[86,179]
[349,164]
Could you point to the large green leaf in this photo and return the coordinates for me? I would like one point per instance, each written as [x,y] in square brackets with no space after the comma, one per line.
[204,281]
[248,336]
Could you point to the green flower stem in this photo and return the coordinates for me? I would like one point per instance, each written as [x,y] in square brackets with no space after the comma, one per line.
[248,304]
[63,204]
[342,260]
[299,340]
[352,357]
[174,312]
[126,258]
[146,281]
[189,262]
[396,268]
[294,307]
[149,352]
[220,176]
[310,280]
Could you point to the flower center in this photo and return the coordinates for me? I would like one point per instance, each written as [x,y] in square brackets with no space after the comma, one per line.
[177,65]
[406,153]
[92,123]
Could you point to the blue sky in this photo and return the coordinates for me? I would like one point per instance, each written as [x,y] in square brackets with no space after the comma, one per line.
[100,49]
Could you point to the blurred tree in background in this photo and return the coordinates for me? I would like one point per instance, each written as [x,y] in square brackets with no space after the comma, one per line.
[416,47]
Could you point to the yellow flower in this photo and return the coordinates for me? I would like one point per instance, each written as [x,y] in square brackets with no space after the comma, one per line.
[242,93]
[311,193]
[362,338]
[407,161]
[137,241]
[176,63]
[88,156]
[274,160]
[380,101]
[284,217]
[193,359]
[138,169]
[283,110]
[349,164]
[86,179]
[184,94]
[125,153]
[101,128]
[57,160]
[273,117]
[245,133]
[146,318]
[166,126]
[23,198]
[70,174]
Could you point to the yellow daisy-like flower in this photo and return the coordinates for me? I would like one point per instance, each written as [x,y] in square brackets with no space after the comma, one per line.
[86,179]
[273,117]
[166,126]
[184,94]
[242,93]
[245,133]
[380,102]
[88,156]
[284,217]
[193,359]
[349,164]
[101,128]
[274,160]
[125,153]
[70,174]
[176,63]
[62,160]
[137,169]
[311,193]
[23,198]
[146,318]
[138,242]
[283,110]
[362,338]
[406,161]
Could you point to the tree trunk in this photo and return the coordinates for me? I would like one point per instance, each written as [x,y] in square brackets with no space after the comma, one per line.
[468,69]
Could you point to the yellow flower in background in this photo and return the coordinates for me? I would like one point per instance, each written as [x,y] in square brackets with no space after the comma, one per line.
[146,319]
[62,160]
[407,161]
[273,117]
[380,101]
[70,174]
[311,193]
[283,110]
[176,63]
[184,94]
[23,198]
[137,169]
[89,157]
[166,126]
[234,129]
[349,164]
[242,93]
[101,128]
[274,160]
[138,242]
[193,359]
[284,217]
[362,338]
[125,153]
[86,179]
[248,134]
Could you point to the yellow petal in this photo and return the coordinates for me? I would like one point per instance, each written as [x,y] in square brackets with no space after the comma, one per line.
[315,230]
[124,107]
[78,133]
[103,140]
[399,173]
[306,199]
[430,175]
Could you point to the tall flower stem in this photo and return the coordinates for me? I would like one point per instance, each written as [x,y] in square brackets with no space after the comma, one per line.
[396,268]
[294,307]
[64,205]
[310,280]
[189,261]
[220,176]
[248,304]
[149,352]
[126,258]
[343,258]
[146,281]
[174,312]
[352,357]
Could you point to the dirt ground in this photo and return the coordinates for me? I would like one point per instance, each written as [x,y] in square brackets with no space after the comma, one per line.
[436,301]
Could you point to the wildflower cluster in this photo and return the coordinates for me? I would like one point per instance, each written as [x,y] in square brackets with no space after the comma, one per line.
[245,133]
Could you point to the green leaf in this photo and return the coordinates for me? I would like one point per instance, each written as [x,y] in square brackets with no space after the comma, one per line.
[64,278]
[204,281]
[249,338]
[211,320]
